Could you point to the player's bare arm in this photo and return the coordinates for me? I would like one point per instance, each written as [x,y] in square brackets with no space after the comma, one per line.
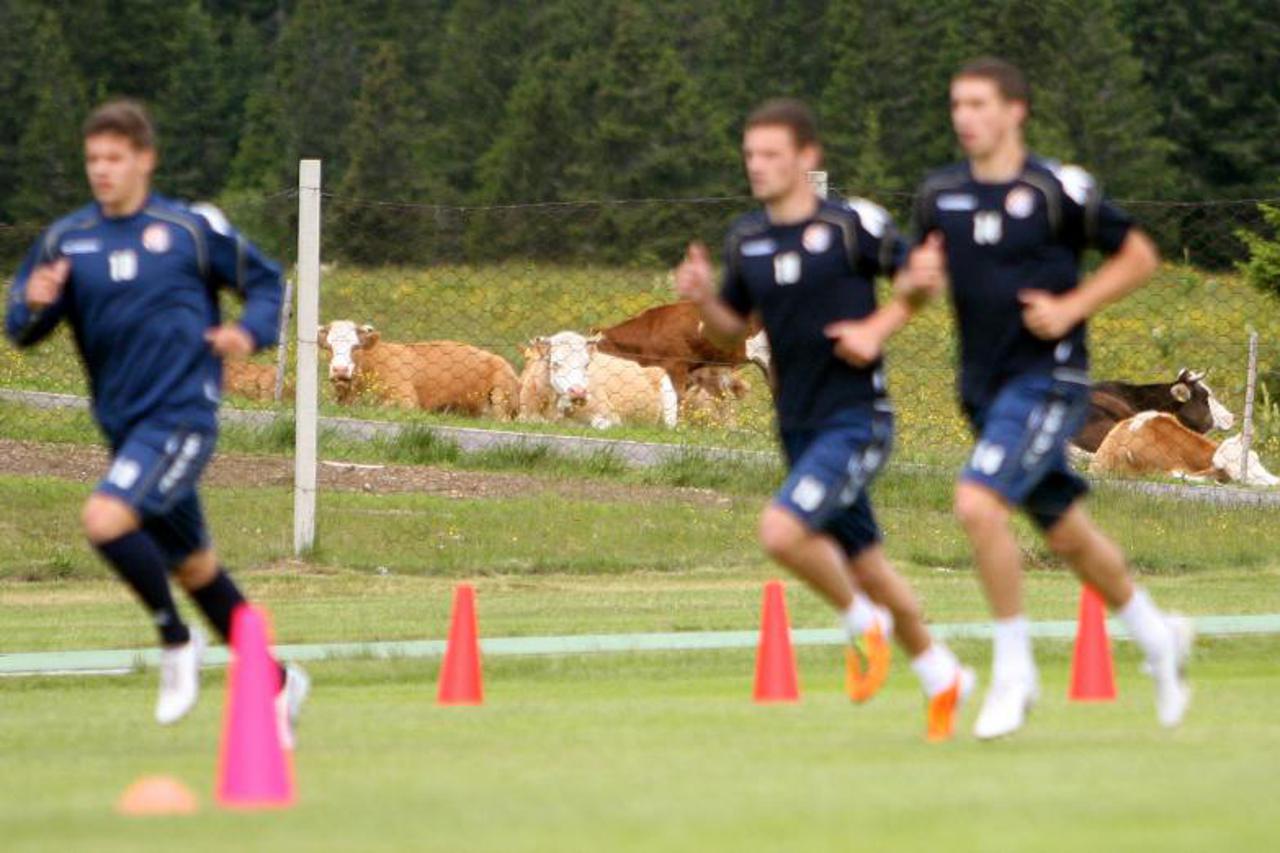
[695,281]
[861,342]
[1050,317]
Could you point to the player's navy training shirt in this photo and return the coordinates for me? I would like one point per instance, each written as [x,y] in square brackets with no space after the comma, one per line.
[141,294]
[801,277]
[1025,234]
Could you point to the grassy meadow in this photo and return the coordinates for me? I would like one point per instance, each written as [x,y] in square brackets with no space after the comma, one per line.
[1184,318]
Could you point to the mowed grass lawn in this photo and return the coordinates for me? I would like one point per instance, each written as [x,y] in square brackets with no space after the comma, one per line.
[662,752]
[631,751]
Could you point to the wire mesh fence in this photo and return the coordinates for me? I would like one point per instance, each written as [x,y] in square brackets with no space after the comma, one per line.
[558,321]
[558,313]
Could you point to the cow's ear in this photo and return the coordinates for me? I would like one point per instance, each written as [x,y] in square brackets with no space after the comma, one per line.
[322,336]
[1180,391]
[368,336]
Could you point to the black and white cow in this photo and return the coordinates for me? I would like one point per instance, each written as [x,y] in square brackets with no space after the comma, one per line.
[1188,398]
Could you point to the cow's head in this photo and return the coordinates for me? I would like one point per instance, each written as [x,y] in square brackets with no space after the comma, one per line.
[1229,459]
[342,338]
[568,355]
[1196,406]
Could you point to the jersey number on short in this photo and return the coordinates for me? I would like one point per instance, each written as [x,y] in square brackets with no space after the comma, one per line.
[124,265]
[988,227]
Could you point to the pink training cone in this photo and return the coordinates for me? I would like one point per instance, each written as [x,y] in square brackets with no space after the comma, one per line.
[461,682]
[776,679]
[1092,673]
[254,771]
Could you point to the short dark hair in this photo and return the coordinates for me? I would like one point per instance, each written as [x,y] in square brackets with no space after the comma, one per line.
[125,117]
[790,113]
[1008,78]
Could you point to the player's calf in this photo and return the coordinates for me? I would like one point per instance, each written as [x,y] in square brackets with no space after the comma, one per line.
[215,593]
[112,528]
[1092,555]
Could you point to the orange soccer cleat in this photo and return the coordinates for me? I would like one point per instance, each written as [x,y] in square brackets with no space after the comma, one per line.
[944,707]
[864,680]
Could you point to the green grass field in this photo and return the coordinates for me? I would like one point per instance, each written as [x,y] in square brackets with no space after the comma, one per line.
[656,750]
[631,751]
[663,751]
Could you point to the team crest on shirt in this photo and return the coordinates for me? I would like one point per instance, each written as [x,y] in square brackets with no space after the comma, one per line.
[156,239]
[786,268]
[817,238]
[1020,202]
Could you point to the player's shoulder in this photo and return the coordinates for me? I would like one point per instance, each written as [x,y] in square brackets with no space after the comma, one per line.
[864,212]
[955,176]
[746,226]
[81,219]
[1075,182]
[200,215]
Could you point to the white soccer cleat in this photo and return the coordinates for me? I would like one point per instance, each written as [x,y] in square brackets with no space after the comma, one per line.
[289,701]
[1005,709]
[180,679]
[1173,694]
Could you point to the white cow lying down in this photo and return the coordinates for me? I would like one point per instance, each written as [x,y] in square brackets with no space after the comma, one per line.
[566,377]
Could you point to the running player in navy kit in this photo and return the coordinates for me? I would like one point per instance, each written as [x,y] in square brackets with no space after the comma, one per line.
[137,277]
[1009,228]
[807,268]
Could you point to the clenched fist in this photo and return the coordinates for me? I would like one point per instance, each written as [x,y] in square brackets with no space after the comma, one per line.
[856,341]
[694,280]
[46,283]
[1047,316]
[230,341]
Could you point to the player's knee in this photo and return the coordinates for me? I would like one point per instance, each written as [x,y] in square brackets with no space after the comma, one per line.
[780,533]
[197,571]
[104,520]
[977,510]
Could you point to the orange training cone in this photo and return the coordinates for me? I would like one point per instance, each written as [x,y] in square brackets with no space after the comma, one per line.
[460,679]
[254,770]
[157,795]
[1092,675]
[776,679]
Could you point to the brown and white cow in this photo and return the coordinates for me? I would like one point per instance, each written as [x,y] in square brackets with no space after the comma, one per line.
[567,377]
[439,376]
[1158,443]
[1188,397]
[250,379]
[670,336]
[711,395]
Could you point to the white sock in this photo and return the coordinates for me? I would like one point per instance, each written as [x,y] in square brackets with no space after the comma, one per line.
[1012,647]
[936,667]
[1147,625]
[859,617]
